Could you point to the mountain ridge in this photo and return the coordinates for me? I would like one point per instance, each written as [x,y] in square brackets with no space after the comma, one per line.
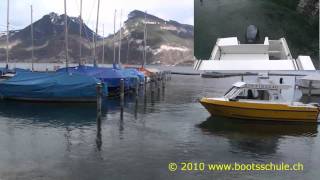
[168,42]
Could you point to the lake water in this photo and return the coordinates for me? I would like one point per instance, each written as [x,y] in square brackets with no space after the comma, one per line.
[55,141]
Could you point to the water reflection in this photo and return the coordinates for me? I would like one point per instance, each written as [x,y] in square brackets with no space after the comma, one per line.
[256,137]
[56,114]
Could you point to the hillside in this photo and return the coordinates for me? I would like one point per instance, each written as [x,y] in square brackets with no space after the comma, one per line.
[168,42]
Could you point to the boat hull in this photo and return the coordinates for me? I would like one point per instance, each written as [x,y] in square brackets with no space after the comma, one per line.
[259,111]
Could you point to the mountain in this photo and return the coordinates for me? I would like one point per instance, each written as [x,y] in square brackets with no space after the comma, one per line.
[168,42]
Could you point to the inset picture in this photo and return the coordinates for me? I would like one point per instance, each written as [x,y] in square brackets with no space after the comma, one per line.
[256,35]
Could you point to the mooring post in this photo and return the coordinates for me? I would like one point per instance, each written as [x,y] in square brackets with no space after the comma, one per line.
[155,80]
[99,106]
[164,78]
[137,86]
[152,84]
[159,81]
[122,90]
[242,78]
[145,84]
[310,88]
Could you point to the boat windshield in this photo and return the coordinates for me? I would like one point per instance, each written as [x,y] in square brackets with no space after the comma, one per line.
[232,92]
[253,94]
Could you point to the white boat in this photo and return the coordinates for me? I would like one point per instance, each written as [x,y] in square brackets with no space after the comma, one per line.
[310,84]
[229,55]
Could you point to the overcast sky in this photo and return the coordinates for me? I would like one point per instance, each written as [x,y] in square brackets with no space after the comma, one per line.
[178,10]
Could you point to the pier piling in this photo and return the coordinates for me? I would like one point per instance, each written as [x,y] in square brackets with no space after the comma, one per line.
[152,82]
[122,91]
[137,87]
[145,84]
[164,78]
[99,106]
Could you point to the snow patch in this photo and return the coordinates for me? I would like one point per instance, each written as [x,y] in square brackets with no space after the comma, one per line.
[11,44]
[54,18]
[170,48]
[170,28]
[38,47]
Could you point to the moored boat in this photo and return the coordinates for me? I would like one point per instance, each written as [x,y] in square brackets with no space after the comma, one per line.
[51,87]
[256,101]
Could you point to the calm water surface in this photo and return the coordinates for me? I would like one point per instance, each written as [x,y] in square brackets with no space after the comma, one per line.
[54,141]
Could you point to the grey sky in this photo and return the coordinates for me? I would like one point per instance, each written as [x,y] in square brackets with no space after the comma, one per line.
[179,10]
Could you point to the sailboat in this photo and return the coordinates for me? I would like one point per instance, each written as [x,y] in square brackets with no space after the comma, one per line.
[142,69]
[6,72]
[52,86]
[132,74]
[110,76]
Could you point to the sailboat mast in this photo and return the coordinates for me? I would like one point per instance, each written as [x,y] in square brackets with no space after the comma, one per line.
[7,50]
[120,38]
[114,37]
[95,39]
[103,44]
[128,48]
[80,30]
[144,40]
[66,33]
[32,44]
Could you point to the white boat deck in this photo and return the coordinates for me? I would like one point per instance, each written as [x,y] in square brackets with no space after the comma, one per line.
[229,54]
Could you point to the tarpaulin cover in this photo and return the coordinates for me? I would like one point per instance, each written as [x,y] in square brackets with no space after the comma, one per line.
[56,86]
[4,70]
[136,73]
[110,76]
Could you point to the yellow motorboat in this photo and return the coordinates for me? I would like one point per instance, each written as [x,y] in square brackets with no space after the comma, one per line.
[260,102]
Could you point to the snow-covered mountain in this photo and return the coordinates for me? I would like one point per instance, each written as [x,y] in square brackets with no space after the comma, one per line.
[169,42]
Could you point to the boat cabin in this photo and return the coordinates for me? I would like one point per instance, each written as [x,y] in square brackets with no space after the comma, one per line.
[258,92]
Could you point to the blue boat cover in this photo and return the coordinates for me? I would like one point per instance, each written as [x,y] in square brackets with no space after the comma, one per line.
[4,70]
[136,73]
[110,76]
[56,86]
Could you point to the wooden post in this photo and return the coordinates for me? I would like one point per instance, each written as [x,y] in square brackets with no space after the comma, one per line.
[145,84]
[99,106]
[122,90]
[164,78]
[156,80]
[137,86]
[136,109]
[159,81]
[152,84]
